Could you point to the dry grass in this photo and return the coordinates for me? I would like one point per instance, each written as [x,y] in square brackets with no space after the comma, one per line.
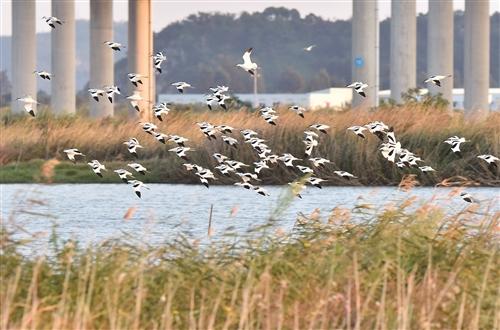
[401,269]
[420,130]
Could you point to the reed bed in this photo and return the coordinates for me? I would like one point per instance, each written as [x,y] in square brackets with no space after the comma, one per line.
[420,129]
[404,267]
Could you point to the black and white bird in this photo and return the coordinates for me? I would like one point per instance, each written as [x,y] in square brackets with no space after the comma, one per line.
[71,153]
[468,197]
[358,130]
[137,185]
[136,78]
[132,146]
[114,45]
[161,109]
[220,158]
[426,168]
[149,127]
[179,140]
[52,21]
[230,141]
[288,159]
[28,104]
[160,137]
[95,93]
[181,85]
[345,175]
[305,169]
[224,169]
[222,101]
[490,159]
[309,48]
[436,80]
[319,162]
[134,100]
[138,168]
[111,91]
[315,181]
[247,64]
[43,74]
[158,59]
[261,191]
[321,128]
[378,128]
[97,167]
[359,87]
[181,152]
[123,174]
[298,110]
[455,143]
[260,165]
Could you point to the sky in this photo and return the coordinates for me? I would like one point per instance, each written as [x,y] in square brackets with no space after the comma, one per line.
[168,11]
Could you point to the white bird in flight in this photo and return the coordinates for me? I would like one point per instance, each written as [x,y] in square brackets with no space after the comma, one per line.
[51,21]
[114,45]
[43,74]
[28,104]
[71,153]
[248,65]
[309,48]
[359,87]
[134,99]
[436,80]
[137,185]
[97,167]
[181,85]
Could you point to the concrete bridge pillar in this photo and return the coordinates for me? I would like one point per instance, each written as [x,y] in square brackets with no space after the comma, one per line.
[364,50]
[476,56]
[440,46]
[23,61]
[63,55]
[101,56]
[403,47]
[140,49]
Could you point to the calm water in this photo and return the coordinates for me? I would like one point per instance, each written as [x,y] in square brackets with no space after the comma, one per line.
[91,213]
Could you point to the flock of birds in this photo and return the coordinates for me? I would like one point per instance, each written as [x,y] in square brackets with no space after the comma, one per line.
[390,148]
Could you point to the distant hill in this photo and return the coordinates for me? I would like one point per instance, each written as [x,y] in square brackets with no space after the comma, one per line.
[204,48]
[82,52]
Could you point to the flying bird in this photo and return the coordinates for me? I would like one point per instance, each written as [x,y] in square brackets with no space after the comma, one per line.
[123,174]
[345,174]
[28,104]
[358,130]
[161,109]
[158,59]
[248,65]
[315,181]
[490,159]
[321,128]
[71,153]
[138,168]
[97,167]
[426,169]
[298,110]
[455,143]
[468,197]
[110,91]
[132,146]
[181,152]
[436,80]
[51,21]
[43,74]
[136,78]
[114,45]
[135,98]
[181,85]
[137,185]
[95,93]
[309,48]
[359,87]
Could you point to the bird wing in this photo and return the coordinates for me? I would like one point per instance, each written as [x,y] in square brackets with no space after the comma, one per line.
[246,56]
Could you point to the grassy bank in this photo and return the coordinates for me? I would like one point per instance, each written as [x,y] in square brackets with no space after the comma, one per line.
[400,270]
[421,130]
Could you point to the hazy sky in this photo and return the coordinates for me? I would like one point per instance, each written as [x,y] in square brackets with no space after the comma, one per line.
[168,11]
